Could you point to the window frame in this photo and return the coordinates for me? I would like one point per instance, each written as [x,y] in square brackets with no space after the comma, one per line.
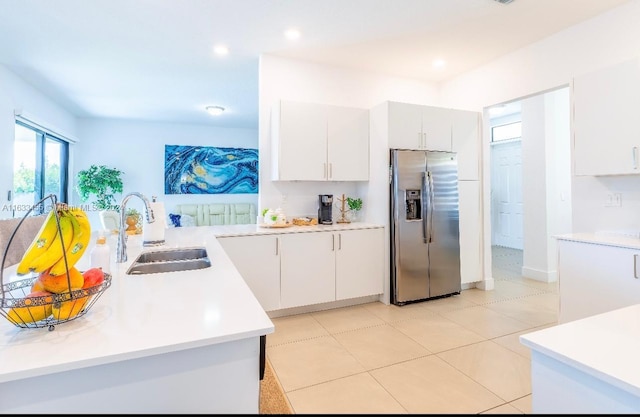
[493,140]
[42,136]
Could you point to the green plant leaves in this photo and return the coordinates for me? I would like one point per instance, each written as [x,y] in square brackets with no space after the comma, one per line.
[354,203]
[102,181]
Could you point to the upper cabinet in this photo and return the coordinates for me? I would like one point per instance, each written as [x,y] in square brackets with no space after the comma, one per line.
[606,136]
[465,139]
[413,126]
[317,142]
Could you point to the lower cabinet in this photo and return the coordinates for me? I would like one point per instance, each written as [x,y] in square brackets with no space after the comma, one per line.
[596,278]
[257,258]
[307,269]
[359,263]
[297,269]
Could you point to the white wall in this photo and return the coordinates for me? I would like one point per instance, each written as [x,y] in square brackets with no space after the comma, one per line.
[545,65]
[534,185]
[137,148]
[17,94]
[546,161]
[288,79]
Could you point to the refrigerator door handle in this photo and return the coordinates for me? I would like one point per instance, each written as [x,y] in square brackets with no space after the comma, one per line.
[425,208]
[430,208]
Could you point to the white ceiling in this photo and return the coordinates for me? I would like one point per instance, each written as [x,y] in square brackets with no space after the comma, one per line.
[152,59]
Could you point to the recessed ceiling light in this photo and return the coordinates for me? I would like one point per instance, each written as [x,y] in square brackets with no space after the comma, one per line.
[215,110]
[439,63]
[292,34]
[221,50]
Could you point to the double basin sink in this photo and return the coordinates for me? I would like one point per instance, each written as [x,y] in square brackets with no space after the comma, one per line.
[170,260]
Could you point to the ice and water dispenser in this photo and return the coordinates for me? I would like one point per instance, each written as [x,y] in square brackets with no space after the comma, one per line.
[413,204]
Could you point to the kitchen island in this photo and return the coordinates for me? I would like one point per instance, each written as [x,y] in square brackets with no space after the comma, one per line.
[179,342]
[587,366]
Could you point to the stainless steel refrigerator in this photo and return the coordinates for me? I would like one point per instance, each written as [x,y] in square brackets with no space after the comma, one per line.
[425,243]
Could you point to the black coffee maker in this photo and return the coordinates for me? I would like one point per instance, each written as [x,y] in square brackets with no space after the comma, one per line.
[325,204]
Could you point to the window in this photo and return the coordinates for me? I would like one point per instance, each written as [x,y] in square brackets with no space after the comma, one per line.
[40,166]
[509,131]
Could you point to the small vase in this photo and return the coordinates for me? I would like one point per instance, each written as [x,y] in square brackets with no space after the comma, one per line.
[132,222]
[352,215]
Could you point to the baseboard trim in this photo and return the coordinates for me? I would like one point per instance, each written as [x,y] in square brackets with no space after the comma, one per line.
[324,306]
[539,275]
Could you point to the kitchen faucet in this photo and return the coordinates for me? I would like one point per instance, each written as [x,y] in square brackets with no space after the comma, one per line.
[121,255]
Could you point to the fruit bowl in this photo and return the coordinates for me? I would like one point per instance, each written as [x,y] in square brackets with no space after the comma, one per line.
[21,307]
[53,290]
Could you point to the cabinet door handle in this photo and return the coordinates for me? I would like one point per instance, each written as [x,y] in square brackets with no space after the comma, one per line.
[333,242]
[340,241]
[635,266]
[330,170]
[419,140]
[324,175]
[635,157]
[277,245]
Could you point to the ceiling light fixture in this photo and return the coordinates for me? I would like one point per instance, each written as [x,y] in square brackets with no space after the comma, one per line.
[292,34]
[439,63]
[215,110]
[221,50]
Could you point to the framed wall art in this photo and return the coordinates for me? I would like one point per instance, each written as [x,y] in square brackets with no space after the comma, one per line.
[210,170]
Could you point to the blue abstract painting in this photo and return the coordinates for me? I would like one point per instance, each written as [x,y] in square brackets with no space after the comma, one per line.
[210,170]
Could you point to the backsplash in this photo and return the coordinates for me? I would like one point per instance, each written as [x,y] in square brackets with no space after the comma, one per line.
[591,212]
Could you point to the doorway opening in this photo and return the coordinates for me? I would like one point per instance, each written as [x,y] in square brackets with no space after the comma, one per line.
[530,177]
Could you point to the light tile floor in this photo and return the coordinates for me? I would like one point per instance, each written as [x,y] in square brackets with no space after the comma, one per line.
[455,355]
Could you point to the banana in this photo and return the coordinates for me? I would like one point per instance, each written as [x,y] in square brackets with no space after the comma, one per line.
[79,242]
[41,243]
[56,250]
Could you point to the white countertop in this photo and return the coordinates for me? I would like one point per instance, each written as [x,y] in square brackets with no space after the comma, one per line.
[142,315]
[621,239]
[605,346]
[254,229]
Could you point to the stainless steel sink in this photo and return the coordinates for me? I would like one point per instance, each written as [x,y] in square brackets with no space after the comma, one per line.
[180,254]
[170,260]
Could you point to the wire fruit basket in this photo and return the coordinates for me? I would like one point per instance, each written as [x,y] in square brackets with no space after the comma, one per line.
[29,302]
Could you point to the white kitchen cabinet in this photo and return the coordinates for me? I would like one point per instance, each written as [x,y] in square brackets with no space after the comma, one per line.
[605,106]
[257,258]
[359,263]
[465,141]
[470,231]
[307,269]
[596,278]
[299,141]
[287,270]
[347,144]
[317,142]
[413,126]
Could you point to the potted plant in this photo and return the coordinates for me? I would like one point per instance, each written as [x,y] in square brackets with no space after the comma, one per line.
[133,220]
[102,181]
[355,205]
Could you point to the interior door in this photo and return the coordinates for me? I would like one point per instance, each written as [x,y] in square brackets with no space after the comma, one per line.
[506,194]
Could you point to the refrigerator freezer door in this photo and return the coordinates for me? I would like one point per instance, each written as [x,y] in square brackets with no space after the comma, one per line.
[409,249]
[443,220]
